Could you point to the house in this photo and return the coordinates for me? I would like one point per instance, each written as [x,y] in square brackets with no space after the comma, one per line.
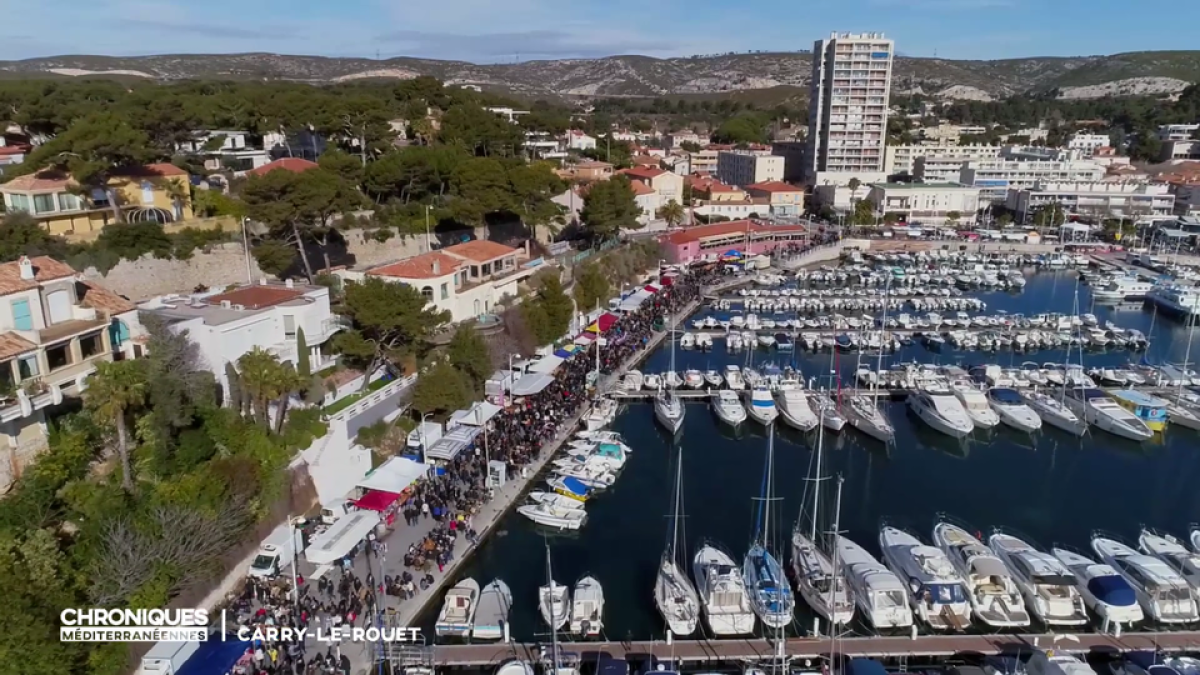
[224,149]
[54,330]
[293,164]
[577,140]
[13,150]
[305,144]
[467,280]
[586,171]
[647,199]
[668,185]
[645,160]
[711,189]
[154,192]
[712,242]
[784,199]
[228,324]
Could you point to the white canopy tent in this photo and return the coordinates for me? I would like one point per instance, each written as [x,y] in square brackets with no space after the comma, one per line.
[394,475]
[333,544]
[547,364]
[477,415]
[635,300]
[532,384]
[454,442]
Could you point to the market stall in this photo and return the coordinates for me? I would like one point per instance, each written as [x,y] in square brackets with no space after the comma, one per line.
[336,542]
[455,441]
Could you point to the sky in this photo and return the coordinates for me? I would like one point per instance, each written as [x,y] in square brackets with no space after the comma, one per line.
[504,31]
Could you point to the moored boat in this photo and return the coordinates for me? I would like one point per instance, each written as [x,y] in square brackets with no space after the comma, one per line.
[491,617]
[458,610]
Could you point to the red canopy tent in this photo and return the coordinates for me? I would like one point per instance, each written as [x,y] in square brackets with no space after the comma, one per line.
[376,500]
[605,322]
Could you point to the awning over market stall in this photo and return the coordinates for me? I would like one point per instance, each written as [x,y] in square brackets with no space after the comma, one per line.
[635,300]
[376,500]
[603,323]
[652,288]
[454,442]
[394,476]
[585,338]
[333,544]
[477,415]
[547,364]
[531,384]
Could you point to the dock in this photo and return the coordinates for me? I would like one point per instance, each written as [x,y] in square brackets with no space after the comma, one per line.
[704,652]
[894,393]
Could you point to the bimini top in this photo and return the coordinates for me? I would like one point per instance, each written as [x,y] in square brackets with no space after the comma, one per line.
[575,485]
[1140,398]
[1112,590]
[1005,396]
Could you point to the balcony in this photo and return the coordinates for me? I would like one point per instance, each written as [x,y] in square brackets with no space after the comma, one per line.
[63,330]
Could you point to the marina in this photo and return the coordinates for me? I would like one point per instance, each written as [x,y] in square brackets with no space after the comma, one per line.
[1007,471]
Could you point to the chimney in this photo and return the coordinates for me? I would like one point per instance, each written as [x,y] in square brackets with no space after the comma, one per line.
[437,267]
[26,268]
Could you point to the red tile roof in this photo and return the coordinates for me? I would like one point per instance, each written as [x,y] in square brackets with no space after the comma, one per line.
[293,164]
[12,345]
[46,179]
[640,188]
[420,267]
[645,160]
[480,250]
[774,186]
[699,232]
[44,269]
[257,297]
[99,298]
[643,172]
[718,186]
[157,170]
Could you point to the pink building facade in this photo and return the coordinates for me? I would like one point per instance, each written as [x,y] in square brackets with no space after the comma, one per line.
[711,242]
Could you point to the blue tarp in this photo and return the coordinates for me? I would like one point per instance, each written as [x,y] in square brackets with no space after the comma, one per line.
[575,485]
[215,656]
[1113,590]
[865,667]
[732,254]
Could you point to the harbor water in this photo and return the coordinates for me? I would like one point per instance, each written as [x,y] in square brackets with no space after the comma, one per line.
[1050,487]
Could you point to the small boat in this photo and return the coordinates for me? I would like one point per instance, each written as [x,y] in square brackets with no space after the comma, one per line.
[570,487]
[1104,591]
[587,608]
[1012,409]
[1048,586]
[733,378]
[878,592]
[1151,410]
[603,412]
[554,499]
[728,408]
[1095,406]
[458,610]
[554,604]
[491,617]
[761,405]
[975,403]
[995,599]
[1184,410]
[671,380]
[793,407]
[766,340]
[515,667]
[1054,412]
[554,516]
[713,378]
[687,341]
[693,379]
[652,381]
[942,411]
[633,381]
[722,592]
[937,592]
[1165,596]
[784,342]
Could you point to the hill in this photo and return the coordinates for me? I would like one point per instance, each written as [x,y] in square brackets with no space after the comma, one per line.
[1077,77]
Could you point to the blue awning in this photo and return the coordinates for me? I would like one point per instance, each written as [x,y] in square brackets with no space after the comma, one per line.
[214,656]
[732,254]
[575,485]
[1113,590]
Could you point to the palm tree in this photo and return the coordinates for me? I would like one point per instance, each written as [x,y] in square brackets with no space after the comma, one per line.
[854,184]
[180,194]
[262,380]
[117,388]
[290,382]
[673,213]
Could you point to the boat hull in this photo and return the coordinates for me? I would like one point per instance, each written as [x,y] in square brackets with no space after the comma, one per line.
[669,421]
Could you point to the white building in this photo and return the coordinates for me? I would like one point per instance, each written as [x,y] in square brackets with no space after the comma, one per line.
[1176,132]
[1179,150]
[793,153]
[741,168]
[542,145]
[55,329]
[224,149]
[1187,199]
[926,203]
[466,280]
[1087,144]
[839,196]
[673,140]
[229,324]
[1095,199]
[848,104]
[994,177]
[577,140]
[509,114]
[902,159]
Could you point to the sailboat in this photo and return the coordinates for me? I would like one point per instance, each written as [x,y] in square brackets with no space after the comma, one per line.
[674,595]
[818,578]
[668,408]
[1184,408]
[863,410]
[554,600]
[770,594]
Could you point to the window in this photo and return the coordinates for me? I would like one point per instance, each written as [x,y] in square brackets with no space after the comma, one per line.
[58,356]
[487,269]
[43,203]
[446,291]
[18,202]
[99,197]
[68,202]
[147,194]
[27,367]
[428,293]
[91,345]
[289,326]
[22,318]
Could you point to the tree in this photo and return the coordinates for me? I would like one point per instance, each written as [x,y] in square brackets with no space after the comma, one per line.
[673,213]
[689,146]
[177,384]
[469,355]
[481,187]
[115,390]
[266,379]
[348,167]
[743,129]
[390,321]
[1049,216]
[441,389]
[480,132]
[548,314]
[21,235]
[533,186]
[609,207]
[591,287]
[1146,145]
[303,360]
[952,217]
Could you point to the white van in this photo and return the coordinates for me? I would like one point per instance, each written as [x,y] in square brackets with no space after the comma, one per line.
[277,551]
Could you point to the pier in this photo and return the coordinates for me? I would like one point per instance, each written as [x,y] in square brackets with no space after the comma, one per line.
[696,652]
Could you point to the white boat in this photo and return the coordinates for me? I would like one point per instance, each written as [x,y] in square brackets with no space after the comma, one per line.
[458,610]
[975,403]
[1165,596]
[793,407]
[995,599]
[713,378]
[634,380]
[818,578]
[491,617]
[766,340]
[728,408]
[1184,410]
[1171,551]
[1012,409]
[722,592]
[603,412]
[610,456]
[1104,591]
[878,593]
[941,410]
[554,499]
[937,592]
[669,410]
[652,381]
[674,595]
[686,341]
[1176,299]
[693,379]
[827,411]
[587,608]
[770,593]
[733,378]
[515,667]
[865,414]
[1054,662]
[672,380]
[761,405]
[557,517]
[554,604]
[1048,586]
[1096,407]
[1054,412]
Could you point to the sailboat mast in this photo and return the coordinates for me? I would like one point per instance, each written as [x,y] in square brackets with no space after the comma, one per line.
[816,503]
[883,338]
[551,603]
[836,535]
[675,508]
[766,527]
[1187,353]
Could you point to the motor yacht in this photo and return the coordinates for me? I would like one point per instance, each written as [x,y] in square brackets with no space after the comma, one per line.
[936,592]
[728,408]
[766,340]
[553,515]
[1123,288]
[713,378]
[760,406]
[458,610]
[1096,407]
[1104,591]
[722,592]
[1172,551]
[941,410]
[1165,596]
[669,410]
[1176,299]
[878,593]
[1054,412]
[794,409]
[603,412]
[491,616]
[693,379]
[864,414]
[554,604]
[1012,409]
[610,455]
[819,582]
[1054,662]
[633,381]
[587,608]
[1048,586]
[975,403]
[827,411]
[1151,410]
[733,378]
[995,599]
[554,499]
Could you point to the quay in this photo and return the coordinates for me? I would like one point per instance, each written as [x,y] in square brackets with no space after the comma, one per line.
[696,652]
[896,393]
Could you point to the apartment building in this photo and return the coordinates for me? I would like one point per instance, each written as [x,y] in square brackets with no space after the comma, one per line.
[1095,199]
[793,154]
[674,139]
[742,168]
[703,161]
[784,199]
[1087,144]
[54,329]
[1187,197]
[927,203]
[848,105]
[902,159]
[1176,132]
[995,177]
[1179,150]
